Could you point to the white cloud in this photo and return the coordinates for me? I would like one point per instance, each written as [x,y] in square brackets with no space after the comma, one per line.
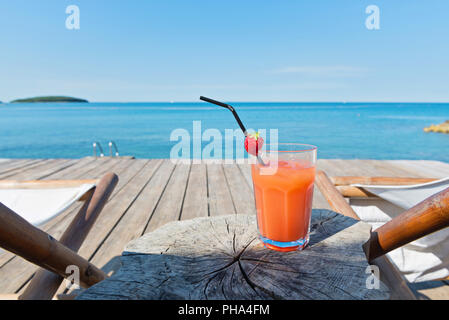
[324,71]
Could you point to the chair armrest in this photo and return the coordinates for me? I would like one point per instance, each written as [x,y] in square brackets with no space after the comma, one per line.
[333,196]
[20,237]
[391,181]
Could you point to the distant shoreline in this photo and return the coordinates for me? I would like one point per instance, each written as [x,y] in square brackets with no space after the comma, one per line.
[50,99]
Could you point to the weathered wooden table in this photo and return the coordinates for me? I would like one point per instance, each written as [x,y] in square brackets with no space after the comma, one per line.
[222,258]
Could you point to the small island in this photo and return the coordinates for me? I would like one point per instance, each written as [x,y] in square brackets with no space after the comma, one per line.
[50,99]
[442,127]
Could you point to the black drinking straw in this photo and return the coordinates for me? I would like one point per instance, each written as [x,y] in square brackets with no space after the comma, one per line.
[230,108]
[236,116]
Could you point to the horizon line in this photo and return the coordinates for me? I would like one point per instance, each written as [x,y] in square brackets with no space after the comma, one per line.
[229,101]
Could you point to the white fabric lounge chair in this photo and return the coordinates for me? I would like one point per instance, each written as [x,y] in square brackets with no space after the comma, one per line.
[378,200]
[40,201]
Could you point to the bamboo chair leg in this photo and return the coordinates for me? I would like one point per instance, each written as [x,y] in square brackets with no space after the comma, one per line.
[17,296]
[44,283]
[71,296]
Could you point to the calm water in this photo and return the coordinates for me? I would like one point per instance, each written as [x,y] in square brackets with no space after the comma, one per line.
[352,130]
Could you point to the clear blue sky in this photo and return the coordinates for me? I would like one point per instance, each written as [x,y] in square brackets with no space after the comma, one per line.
[252,50]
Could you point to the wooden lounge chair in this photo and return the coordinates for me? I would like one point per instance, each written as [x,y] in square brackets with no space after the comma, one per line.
[426,217]
[22,238]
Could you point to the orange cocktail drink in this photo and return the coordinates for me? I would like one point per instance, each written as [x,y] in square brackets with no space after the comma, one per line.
[283,191]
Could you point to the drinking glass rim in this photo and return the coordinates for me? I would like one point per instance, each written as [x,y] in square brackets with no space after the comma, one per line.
[309,147]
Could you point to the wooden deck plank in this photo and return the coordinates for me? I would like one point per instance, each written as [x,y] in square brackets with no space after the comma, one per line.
[349,167]
[404,170]
[431,290]
[362,168]
[117,207]
[387,169]
[435,164]
[330,167]
[245,168]
[16,164]
[4,160]
[28,166]
[30,170]
[195,202]
[380,168]
[136,216]
[97,168]
[220,199]
[7,163]
[71,173]
[5,257]
[168,207]
[43,171]
[427,169]
[14,274]
[242,194]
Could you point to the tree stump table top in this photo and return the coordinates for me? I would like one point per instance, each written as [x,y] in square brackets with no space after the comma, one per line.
[222,258]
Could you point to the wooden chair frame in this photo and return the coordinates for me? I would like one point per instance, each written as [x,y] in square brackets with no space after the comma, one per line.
[426,217]
[38,247]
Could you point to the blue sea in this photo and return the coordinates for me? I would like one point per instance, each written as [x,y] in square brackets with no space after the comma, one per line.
[340,130]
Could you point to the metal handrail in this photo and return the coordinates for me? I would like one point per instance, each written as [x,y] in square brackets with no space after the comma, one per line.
[113,144]
[95,145]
